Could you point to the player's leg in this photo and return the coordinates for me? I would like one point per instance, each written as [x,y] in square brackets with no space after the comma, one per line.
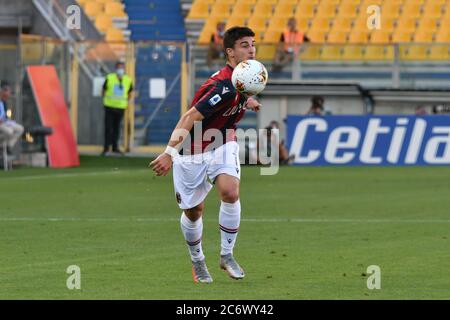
[229,221]
[117,120]
[17,131]
[191,188]
[108,129]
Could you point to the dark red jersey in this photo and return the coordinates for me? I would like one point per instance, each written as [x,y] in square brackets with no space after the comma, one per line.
[221,105]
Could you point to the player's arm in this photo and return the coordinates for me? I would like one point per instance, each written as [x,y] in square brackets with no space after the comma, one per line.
[162,164]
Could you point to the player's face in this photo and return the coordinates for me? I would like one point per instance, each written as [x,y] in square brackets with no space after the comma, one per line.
[244,49]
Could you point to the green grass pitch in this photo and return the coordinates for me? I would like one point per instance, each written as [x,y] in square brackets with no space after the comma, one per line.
[306,233]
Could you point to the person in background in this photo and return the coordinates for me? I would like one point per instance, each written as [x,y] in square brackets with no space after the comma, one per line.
[421,111]
[9,129]
[117,93]
[289,46]
[316,108]
[215,50]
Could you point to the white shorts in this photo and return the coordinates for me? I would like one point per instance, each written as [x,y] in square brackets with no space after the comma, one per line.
[192,172]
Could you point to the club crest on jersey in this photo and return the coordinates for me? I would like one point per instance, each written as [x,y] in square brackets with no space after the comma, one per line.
[215,100]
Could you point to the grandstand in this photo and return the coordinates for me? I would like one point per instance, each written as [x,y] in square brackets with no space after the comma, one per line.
[412,32]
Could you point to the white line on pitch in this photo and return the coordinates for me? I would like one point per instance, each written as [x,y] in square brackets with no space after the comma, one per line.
[70,175]
[297,220]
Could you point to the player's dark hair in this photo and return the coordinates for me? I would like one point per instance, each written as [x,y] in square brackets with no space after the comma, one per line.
[234,34]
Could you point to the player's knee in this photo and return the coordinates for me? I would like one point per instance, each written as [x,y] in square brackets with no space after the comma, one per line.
[195,213]
[230,195]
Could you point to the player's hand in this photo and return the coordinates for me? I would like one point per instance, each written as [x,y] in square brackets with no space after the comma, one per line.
[162,164]
[253,104]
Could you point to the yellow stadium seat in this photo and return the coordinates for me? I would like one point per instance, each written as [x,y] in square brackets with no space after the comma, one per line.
[432,10]
[358,36]
[224,2]
[243,9]
[423,36]
[406,24]
[205,36]
[294,2]
[284,10]
[331,52]
[439,52]
[326,10]
[303,24]
[443,35]
[379,53]
[93,8]
[114,9]
[272,36]
[210,2]
[348,9]
[388,23]
[246,1]
[305,10]
[390,9]
[320,24]
[317,35]
[344,23]
[428,23]
[199,10]
[235,21]
[353,53]
[380,36]
[278,23]
[257,23]
[271,2]
[266,52]
[114,35]
[414,52]
[83,2]
[337,36]
[310,52]
[400,36]
[103,22]
[263,9]
[221,10]
[411,9]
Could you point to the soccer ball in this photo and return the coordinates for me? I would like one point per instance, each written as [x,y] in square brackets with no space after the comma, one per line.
[249,77]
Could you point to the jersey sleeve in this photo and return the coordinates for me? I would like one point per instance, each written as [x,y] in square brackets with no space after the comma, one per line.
[218,95]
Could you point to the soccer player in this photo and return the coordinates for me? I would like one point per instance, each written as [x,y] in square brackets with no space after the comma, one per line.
[218,107]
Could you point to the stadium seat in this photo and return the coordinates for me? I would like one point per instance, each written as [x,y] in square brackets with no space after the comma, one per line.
[353,53]
[257,23]
[380,36]
[443,35]
[311,52]
[320,24]
[114,9]
[390,9]
[406,24]
[278,23]
[293,2]
[305,10]
[272,36]
[220,10]
[235,21]
[326,10]
[411,9]
[348,9]
[344,23]
[303,24]
[263,9]
[423,36]
[284,10]
[266,52]
[337,36]
[428,23]
[317,35]
[358,36]
[93,8]
[271,2]
[331,52]
[439,52]
[114,35]
[432,10]
[401,36]
[243,9]
[379,53]
[199,10]
[248,1]
[414,52]
[388,23]
[103,22]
